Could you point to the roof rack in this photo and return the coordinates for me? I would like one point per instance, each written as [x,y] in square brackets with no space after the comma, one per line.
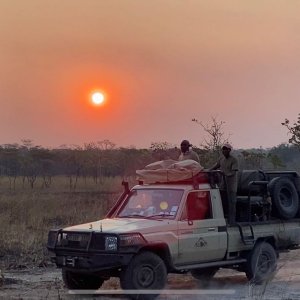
[209,177]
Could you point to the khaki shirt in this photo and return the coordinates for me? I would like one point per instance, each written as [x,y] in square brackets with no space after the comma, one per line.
[189,155]
[229,166]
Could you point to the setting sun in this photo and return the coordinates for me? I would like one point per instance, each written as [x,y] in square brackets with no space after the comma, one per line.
[97,98]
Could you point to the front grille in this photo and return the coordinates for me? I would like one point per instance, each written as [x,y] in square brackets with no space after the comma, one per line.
[98,242]
[73,240]
[86,241]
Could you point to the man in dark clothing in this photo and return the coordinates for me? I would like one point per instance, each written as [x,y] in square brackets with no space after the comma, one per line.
[228,164]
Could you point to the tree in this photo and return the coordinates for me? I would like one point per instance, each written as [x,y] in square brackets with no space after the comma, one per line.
[275,161]
[98,156]
[29,158]
[74,162]
[254,158]
[164,150]
[213,143]
[10,162]
[216,136]
[294,131]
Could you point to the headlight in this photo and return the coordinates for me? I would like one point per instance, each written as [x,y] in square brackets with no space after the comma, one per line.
[133,239]
[111,243]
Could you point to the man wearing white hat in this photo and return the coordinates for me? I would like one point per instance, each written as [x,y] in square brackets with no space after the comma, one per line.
[228,164]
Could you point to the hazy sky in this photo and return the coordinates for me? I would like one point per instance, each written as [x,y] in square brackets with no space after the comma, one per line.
[160,63]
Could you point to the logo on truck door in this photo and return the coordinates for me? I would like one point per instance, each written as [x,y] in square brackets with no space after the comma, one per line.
[201,243]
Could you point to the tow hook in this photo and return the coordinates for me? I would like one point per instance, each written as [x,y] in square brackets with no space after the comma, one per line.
[69,261]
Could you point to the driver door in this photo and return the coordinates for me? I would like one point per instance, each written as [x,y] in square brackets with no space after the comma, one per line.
[201,239]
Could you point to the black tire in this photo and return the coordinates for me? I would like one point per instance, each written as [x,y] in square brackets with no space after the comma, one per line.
[146,271]
[285,199]
[261,263]
[80,281]
[204,274]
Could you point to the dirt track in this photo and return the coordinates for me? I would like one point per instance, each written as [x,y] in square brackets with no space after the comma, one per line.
[46,283]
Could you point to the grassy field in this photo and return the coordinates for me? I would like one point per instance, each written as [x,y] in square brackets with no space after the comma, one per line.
[27,214]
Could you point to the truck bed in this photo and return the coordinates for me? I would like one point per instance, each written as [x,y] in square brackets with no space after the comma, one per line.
[284,234]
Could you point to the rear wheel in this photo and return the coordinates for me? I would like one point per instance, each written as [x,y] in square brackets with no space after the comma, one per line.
[146,271]
[262,263]
[81,281]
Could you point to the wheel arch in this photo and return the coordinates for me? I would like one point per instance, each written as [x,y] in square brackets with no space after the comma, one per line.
[270,240]
[162,250]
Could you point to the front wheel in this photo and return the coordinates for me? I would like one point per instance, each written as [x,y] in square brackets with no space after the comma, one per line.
[81,281]
[146,271]
[262,263]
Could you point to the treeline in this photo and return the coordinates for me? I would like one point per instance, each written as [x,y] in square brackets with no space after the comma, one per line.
[282,157]
[96,160]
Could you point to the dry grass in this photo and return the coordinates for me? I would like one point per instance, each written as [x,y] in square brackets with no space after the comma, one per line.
[26,214]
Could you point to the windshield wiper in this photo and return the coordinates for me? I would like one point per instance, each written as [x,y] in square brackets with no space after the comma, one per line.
[161,215]
[138,216]
[132,216]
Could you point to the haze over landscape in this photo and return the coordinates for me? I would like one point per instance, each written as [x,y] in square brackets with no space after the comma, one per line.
[159,63]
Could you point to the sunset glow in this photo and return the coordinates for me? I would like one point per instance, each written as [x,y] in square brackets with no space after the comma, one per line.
[100,76]
[97,98]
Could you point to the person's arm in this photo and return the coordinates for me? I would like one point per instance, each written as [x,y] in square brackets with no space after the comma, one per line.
[216,166]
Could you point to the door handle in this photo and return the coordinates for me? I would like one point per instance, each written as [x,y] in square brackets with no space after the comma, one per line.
[187,232]
[212,229]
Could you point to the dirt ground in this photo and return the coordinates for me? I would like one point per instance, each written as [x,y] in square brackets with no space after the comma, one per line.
[46,283]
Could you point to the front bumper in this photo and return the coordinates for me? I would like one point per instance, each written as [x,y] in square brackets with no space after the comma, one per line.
[90,251]
[91,262]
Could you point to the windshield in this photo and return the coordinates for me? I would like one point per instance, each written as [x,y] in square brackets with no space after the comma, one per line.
[151,203]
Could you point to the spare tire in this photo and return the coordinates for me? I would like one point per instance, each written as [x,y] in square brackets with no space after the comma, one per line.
[285,200]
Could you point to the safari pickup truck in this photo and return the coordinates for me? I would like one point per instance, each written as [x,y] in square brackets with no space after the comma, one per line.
[178,227]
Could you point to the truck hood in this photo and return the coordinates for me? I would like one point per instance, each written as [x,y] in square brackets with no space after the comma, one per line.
[124,225]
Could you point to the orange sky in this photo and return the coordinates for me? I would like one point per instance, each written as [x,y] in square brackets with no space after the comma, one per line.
[161,64]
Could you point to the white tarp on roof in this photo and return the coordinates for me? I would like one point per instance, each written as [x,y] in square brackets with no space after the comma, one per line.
[169,170]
